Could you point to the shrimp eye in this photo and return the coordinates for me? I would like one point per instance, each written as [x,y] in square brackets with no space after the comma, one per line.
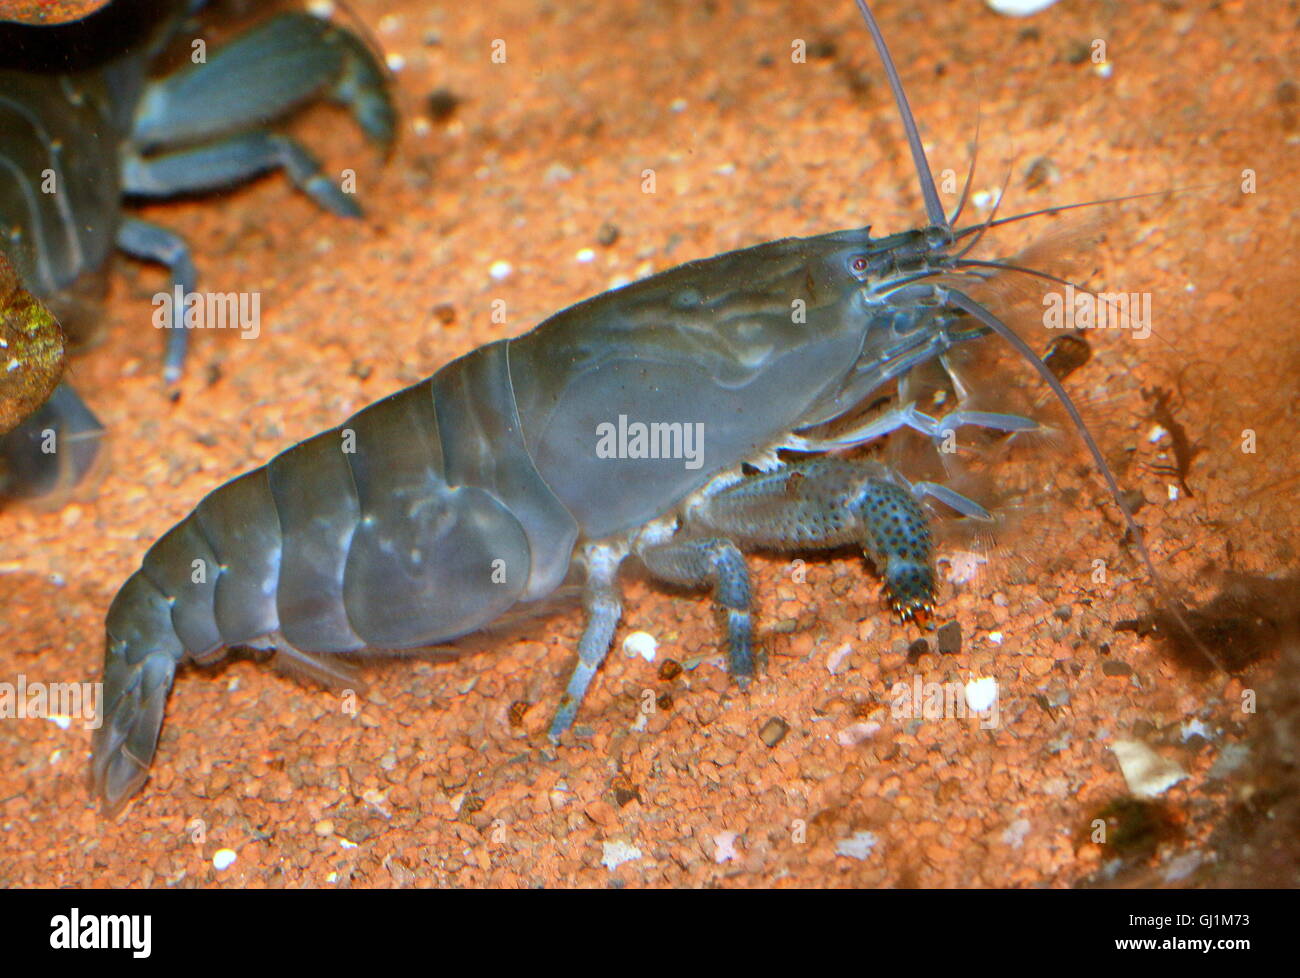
[858,264]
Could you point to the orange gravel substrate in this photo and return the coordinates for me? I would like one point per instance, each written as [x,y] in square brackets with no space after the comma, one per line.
[442,774]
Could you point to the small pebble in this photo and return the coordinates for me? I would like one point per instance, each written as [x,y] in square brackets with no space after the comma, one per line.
[917,649]
[1041,171]
[557,173]
[857,846]
[1230,759]
[616,853]
[442,104]
[1147,774]
[856,733]
[669,669]
[835,661]
[607,234]
[1014,834]
[948,639]
[774,731]
[724,847]
[1181,867]
[223,859]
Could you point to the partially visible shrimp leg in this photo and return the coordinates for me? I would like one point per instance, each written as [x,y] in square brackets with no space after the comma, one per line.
[149,242]
[604,608]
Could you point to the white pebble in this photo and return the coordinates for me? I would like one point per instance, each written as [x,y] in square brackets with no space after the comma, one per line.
[223,859]
[641,643]
[1155,434]
[395,61]
[724,847]
[1019,8]
[857,846]
[616,853]
[1181,867]
[584,256]
[835,660]
[1014,834]
[995,638]
[981,693]
[500,270]
[856,733]
[557,173]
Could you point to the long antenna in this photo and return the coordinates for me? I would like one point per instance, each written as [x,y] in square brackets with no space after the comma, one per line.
[933,209]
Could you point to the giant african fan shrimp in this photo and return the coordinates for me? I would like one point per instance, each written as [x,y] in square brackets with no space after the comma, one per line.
[438,510]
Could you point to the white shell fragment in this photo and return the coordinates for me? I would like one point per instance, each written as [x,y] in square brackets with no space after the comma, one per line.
[1019,8]
[641,643]
[1147,774]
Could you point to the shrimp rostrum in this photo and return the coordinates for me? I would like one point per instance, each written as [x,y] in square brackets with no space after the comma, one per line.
[727,386]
